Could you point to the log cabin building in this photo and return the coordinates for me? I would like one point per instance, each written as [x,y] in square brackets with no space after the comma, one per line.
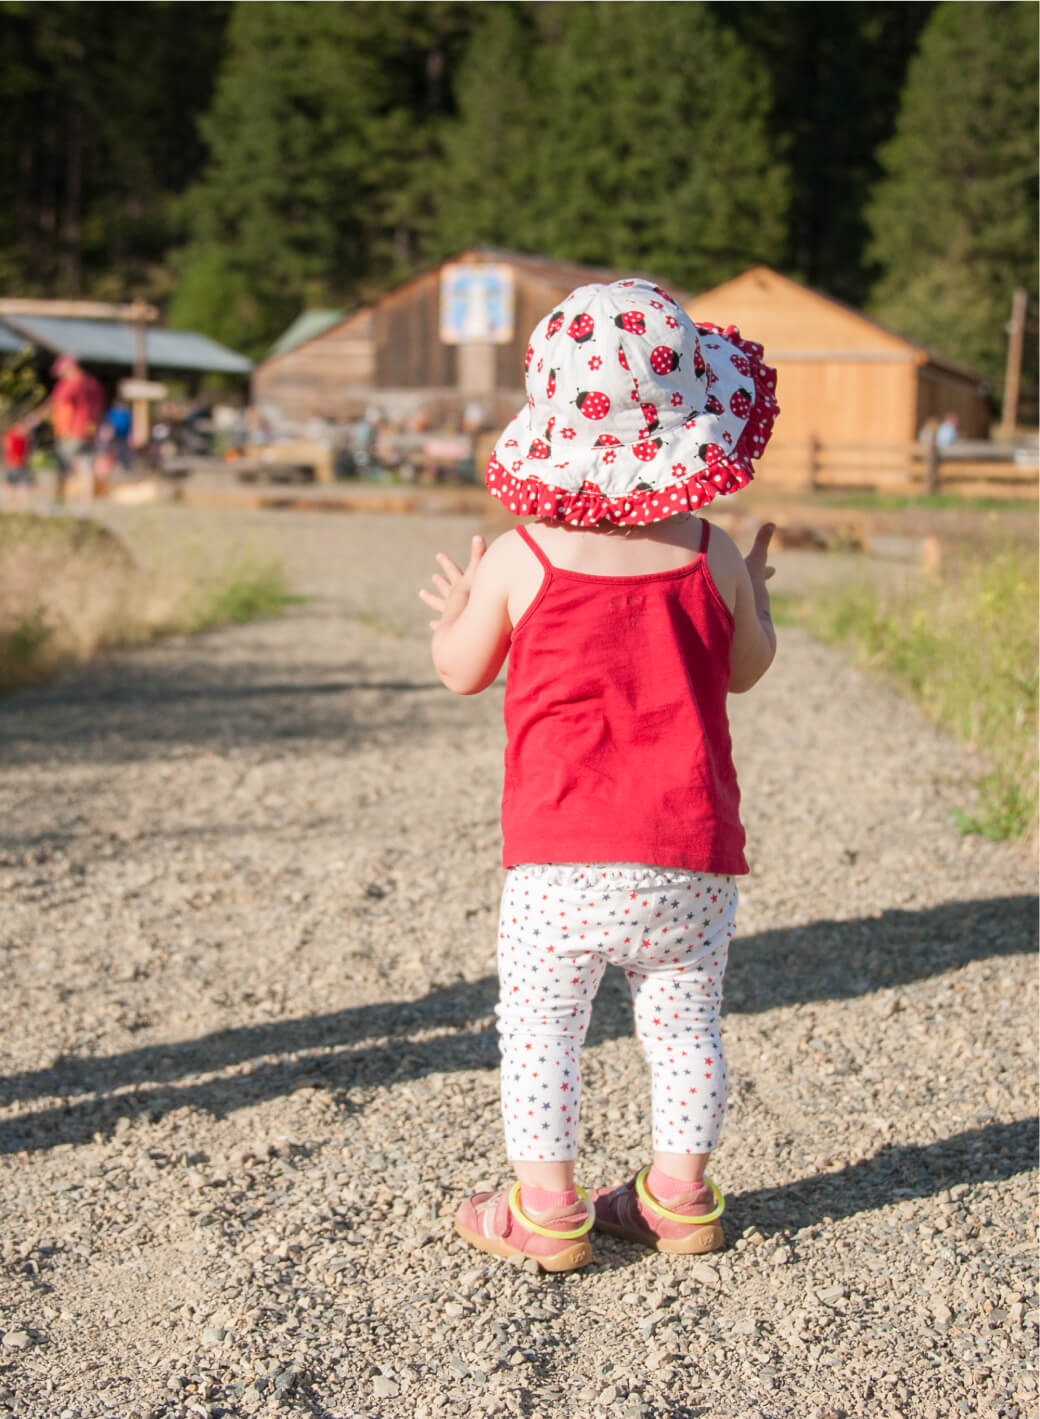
[410,351]
[853,395]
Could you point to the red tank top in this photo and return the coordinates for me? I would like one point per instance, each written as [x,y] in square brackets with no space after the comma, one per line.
[618,745]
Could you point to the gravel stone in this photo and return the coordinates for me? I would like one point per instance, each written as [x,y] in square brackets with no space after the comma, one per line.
[250,885]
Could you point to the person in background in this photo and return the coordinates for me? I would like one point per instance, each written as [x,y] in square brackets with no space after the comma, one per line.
[948,431]
[18,478]
[119,421]
[75,408]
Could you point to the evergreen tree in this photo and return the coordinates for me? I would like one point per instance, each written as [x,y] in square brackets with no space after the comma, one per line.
[487,150]
[612,140]
[319,120]
[97,129]
[837,72]
[954,217]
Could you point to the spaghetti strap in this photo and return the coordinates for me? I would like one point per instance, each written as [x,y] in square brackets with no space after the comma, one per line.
[702,550]
[526,537]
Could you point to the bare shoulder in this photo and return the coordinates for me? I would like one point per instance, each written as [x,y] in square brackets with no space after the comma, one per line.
[512,571]
[723,546]
[725,564]
[507,556]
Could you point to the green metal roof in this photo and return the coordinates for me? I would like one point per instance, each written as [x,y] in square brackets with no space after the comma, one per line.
[111,342]
[307,325]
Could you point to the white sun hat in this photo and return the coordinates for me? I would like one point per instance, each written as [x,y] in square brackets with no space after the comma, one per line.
[634,412]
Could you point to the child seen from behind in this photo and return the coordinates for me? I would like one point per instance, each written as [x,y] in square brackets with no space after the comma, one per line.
[627,620]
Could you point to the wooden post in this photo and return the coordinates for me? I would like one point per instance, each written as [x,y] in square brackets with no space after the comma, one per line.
[1016,330]
[931,466]
[141,417]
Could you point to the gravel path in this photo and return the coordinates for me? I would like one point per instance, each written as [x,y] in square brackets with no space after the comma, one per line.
[250,883]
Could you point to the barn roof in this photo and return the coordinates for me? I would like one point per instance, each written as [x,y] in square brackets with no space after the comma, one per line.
[112,342]
[312,324]
[307,325]
[797,293]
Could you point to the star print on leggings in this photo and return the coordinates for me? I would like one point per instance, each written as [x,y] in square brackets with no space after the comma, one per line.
[560,926]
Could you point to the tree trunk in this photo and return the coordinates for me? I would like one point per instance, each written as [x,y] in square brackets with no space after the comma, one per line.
[70,269]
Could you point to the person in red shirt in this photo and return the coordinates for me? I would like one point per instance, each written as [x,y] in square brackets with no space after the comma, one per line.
[75,407]
[627,621]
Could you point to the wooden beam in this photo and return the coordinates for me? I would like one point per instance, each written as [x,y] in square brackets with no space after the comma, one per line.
[79,310]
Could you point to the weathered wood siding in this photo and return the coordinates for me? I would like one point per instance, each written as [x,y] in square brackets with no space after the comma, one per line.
[406,333]
[939,393]
[318,376]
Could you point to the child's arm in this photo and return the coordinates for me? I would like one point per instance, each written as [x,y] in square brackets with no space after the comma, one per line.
[742,583]
[754,639]
[471,633]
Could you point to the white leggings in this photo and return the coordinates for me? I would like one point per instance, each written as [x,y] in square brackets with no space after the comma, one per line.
[669,930]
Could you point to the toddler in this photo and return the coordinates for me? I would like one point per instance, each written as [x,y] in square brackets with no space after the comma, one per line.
[627,620]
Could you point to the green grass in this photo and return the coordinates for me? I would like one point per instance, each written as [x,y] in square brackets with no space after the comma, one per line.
[965,646]
[70,588]
[889,502]
[249,590]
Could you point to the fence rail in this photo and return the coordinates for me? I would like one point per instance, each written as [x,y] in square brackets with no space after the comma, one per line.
[972,468]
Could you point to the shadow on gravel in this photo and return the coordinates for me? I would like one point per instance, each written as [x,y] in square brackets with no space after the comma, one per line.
[993,1152]
[129,709]
[452,1028]
[836,960]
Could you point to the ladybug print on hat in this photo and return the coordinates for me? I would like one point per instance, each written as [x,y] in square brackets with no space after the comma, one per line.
[593,404]
[664,360]
[555,323]
[539,449]
[634,321]
[550,385]
[581,328]
[647,449]
[741,403]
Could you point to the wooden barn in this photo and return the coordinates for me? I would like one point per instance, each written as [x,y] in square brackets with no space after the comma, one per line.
[853,395]
[451,339]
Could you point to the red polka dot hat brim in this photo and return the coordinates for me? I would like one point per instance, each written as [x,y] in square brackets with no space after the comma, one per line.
[634,413]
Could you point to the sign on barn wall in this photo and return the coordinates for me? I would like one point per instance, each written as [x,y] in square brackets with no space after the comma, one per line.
[476,304]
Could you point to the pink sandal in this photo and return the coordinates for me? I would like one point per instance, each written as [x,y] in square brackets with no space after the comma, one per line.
[494,1222]
[630,1211]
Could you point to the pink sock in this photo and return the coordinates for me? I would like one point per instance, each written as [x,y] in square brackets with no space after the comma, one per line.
[665,1188]
[538,1199]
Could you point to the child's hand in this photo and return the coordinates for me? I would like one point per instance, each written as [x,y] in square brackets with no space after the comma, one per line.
[453,588]
[759,572]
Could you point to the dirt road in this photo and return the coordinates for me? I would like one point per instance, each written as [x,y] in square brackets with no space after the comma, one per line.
[250,883]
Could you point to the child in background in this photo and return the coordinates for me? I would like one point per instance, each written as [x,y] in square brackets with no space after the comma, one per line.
[18,478]
[627,620]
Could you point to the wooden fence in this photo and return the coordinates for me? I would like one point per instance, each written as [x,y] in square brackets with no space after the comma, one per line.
[971,468]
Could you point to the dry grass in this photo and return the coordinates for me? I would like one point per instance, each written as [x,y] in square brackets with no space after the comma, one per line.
[69,588]
[965,645]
